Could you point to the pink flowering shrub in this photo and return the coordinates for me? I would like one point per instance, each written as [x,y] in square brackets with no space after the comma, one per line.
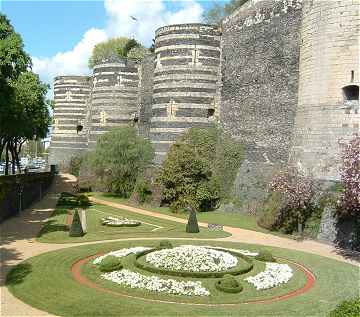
[350,176]
[298,192]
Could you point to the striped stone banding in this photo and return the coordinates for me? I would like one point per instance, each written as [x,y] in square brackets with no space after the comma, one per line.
[71,96]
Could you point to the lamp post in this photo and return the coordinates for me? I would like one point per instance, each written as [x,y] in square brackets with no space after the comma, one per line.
[20,188]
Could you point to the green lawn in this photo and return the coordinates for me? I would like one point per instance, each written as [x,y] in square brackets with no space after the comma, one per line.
[45,282]
[55,230]
[232,219]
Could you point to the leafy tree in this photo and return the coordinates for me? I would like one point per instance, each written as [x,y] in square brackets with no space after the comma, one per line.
[119,159]
[223,154]
[28,118]
[114,48]
[13,61]
[186,180]
[218,12]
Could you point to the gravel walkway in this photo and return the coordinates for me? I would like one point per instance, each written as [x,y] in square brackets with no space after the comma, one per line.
[18,241]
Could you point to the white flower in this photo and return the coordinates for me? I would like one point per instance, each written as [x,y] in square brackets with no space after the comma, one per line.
[192,259]
[121,253]
[274,275]
[118,221]
[156,284]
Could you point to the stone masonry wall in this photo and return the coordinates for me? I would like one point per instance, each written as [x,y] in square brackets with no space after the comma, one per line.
[114,100]
[69,138]
[261,46]
[186,82]
[146,77]
[329,62]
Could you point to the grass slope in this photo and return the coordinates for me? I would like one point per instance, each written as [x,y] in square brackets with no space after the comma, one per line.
[237,220]
[55,230]
[46,283]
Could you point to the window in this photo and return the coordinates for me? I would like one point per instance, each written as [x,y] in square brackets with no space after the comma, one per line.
[351,93]
[210,113]
[79,128]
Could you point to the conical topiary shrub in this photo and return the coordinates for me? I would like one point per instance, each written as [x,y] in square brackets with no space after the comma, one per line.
[76,227]
[192,225]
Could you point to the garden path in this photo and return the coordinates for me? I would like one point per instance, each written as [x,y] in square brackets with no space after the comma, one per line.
[18,241]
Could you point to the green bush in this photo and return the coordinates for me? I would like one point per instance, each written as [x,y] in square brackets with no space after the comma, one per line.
[192,225]
[350,308]
[200,169]
[143,189]
[120,157]
[265,256]
[228,284]
[165,244]
[83,201]
[76,227]
[74,166]
[110,263]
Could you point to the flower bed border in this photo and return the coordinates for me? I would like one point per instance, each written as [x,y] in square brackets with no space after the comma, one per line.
[76,269]
[234,271]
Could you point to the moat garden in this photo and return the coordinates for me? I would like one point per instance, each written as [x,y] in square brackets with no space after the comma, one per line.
[156,270]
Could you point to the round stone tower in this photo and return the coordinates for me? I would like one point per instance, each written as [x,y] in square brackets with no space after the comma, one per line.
[328,99]
[114,100]
[71,96]
[186,82]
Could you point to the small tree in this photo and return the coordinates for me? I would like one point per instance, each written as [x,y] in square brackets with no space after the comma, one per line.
[120,157]
[298,191]
[350,176]
[76,229]
[192,225]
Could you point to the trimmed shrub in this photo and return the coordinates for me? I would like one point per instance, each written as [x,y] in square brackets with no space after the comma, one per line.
[83,201]
[350,308]
[165,244]
[265,256]
[110,263]
[192,225]
[76,227]
[228,284]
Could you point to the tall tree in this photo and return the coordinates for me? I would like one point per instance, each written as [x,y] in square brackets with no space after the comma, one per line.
[13,61]
[117,47]
[219,11]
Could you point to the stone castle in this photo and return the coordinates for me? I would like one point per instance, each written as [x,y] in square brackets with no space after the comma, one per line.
[281,76]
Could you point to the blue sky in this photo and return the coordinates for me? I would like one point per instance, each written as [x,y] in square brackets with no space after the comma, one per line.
[60,35]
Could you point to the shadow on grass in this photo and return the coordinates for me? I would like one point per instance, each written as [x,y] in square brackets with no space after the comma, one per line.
[18,274]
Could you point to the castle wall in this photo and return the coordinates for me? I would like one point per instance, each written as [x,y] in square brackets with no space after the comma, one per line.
[71,94]
[146,75]
[261,46]
[329,61]
[114,100]
[186,82]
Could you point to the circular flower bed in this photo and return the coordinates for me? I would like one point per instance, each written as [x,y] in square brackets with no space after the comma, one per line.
[119,222]
[192,259]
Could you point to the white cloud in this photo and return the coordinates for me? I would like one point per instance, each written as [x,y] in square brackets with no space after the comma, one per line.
[149,14]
